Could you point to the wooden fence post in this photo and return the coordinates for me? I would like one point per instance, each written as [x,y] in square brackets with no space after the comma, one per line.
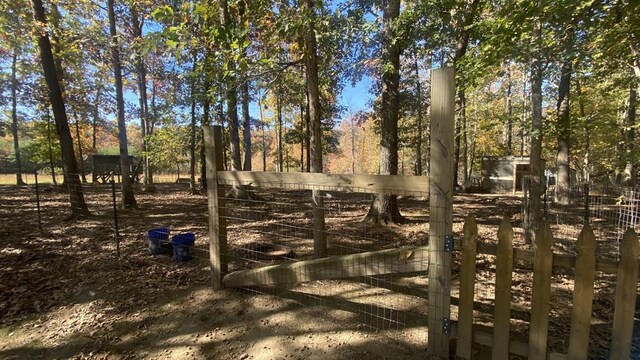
[626,288]
[542,267]
[215,195]
[583,294]
[441,210]
[502,311]
[467,287]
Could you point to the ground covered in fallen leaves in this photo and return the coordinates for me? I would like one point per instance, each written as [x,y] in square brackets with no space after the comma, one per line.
[64,293]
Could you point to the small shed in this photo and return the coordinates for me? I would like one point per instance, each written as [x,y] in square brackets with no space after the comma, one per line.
[504,173]
[106,166]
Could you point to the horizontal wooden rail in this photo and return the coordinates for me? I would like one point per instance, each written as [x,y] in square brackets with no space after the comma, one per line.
[329,182]
[559,260]
[381,262]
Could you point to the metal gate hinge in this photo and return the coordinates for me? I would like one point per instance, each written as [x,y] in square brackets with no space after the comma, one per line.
[448,243]
[446,326]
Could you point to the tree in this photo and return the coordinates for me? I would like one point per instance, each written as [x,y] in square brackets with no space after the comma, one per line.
[384,208]
[128,199]
[78,205]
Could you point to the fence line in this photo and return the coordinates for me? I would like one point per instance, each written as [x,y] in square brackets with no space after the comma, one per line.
[585,269]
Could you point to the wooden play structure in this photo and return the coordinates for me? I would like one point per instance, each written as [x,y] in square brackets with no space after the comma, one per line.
[434,261]
[107,167]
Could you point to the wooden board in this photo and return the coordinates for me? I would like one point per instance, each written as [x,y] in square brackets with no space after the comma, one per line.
[440,209]
[626,288]
[409,259]
[502,311]
[391,184]
[215,197]
[540,306]
[467,287]
[583,294]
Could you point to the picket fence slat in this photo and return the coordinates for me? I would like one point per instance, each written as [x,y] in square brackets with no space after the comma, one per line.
[583,294]
[626,288]
[504,269]
[467,287]
[542,266]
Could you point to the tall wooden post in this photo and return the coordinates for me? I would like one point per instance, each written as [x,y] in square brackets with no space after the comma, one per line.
[441,210]
[215,195]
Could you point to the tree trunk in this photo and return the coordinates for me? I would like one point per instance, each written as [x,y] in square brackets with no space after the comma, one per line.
[302,137]
[465,144]
[231,94]
[14,115]
[246,123]
[78,205]
[307,134]
[128,200]
[630,123]
[141,77]
[279,115]
[587,134]
[206,120]
[81,160]
[313,88]
[384,208]
[264,141]
[50,143]
[193,189]
[418,159]
[509,129]
[96,117]
[563,182]
[461,49]
[536,135]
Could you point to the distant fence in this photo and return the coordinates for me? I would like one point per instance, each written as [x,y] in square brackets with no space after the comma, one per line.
[609,209]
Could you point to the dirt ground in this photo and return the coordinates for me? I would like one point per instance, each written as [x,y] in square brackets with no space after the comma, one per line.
[65,294]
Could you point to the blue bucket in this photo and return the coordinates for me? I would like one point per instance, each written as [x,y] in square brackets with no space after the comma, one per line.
[182,244]
[159,241]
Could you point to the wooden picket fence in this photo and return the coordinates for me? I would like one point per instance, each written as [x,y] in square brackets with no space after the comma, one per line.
[543,259]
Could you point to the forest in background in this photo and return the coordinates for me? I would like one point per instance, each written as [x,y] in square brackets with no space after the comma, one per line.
[554,80]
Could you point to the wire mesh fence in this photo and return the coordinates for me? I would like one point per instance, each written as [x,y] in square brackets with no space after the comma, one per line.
[273,225]
[609,209]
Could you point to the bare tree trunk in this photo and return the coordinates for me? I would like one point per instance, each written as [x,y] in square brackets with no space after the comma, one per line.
[384,208]
[301,137]
[465,149]
[307,134]
[313,87]
[81,162]
[128,200]
[461,49]
[630,123]
[206,120]
[231,94]
[509,130]
[264,141]
[279,115]
[418,159]
[587,134]
[96,117]
[50,144]
[192,135]
[78,205]
[536,136]
[141,75]
[14,115]
[563,182]
[246,123]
